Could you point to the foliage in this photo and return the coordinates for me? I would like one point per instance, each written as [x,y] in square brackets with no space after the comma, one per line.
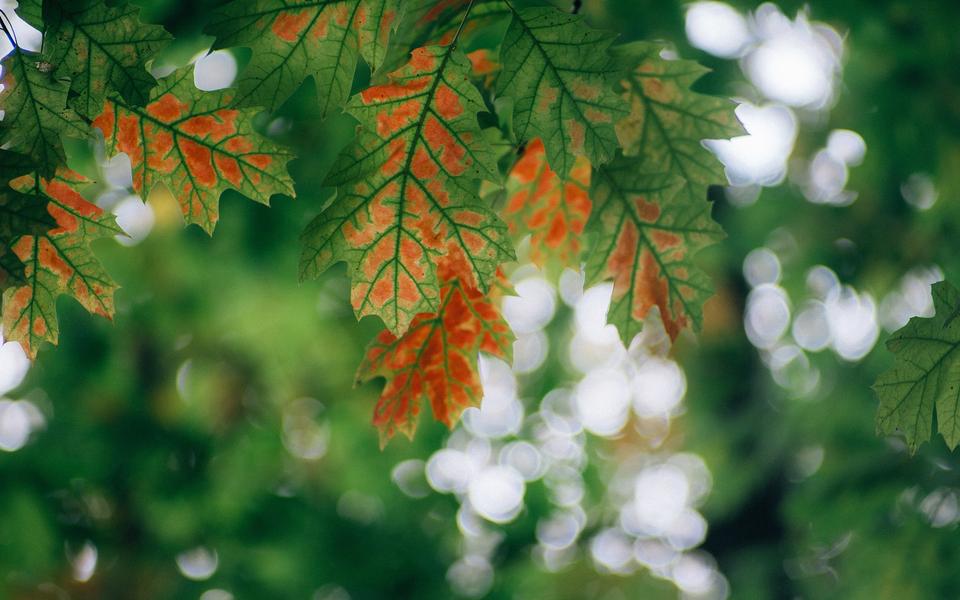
[430,131]
[924,381]
[220,409]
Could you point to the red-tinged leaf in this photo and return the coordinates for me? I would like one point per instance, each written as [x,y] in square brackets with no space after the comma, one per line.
[435,361]
[647,233]
[407,193]
[57,262]
[292,40]
[435,23]
[551,209]
[35,111]
[20,214]
[187,140]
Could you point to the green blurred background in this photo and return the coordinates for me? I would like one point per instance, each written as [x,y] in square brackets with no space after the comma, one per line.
[210,443]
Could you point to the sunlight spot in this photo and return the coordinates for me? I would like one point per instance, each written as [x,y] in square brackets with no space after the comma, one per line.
[717,28]
[603,401]
[136,218]
[761,266]
[796,62]
[767,315]
[198,564]
[761,156]
[14,366]
[919,191]
[215,71]
[83,562]
[496,493]
[532,307]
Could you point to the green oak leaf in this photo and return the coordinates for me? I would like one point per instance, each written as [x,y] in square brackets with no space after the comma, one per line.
[558,73]
[668,121]
[35,111]
[102,49]
[925,378]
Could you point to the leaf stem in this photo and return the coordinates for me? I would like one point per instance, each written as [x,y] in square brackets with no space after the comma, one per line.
[11,34]
[466,15]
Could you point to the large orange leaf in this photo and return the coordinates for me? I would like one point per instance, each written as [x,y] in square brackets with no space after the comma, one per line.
[407,192]
[57,262]
[551,209]
[185,139]
[436,360]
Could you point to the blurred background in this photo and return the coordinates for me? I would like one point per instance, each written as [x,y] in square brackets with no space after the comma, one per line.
[210,443]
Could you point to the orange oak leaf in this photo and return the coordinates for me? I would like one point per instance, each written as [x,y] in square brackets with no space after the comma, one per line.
[407,193]
[57,262]
[436,360]
[551,209]
[187,140]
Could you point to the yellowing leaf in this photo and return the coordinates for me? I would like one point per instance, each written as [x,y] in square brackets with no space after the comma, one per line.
[435,361]
[558,73]
[58,261]
[646,236]
[191,142]
[292,40]
[407,193]
[668,122]
[551,209]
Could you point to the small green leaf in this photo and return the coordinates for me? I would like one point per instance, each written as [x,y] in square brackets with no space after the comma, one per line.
[925,378]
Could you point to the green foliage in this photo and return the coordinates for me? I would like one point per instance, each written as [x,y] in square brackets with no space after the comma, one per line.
[180,424]
[291,41]
[557,72]
[100,49]
[668,121]
[925,381]
[35,111]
